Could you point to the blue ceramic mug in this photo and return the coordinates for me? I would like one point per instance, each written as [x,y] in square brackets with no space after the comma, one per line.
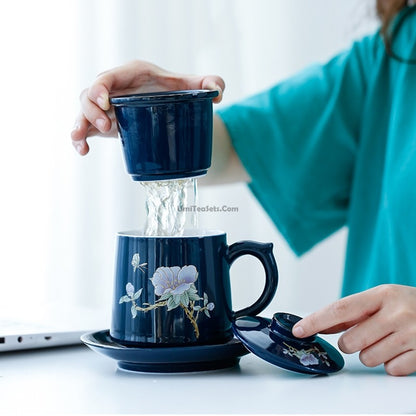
[165,135]
[175,291]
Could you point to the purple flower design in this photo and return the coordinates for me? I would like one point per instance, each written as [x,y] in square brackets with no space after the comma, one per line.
[311,356]
[174,280]
[176,289]
[308,359]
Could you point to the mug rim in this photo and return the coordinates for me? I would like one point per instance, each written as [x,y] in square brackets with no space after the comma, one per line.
[162,97]
[189,233]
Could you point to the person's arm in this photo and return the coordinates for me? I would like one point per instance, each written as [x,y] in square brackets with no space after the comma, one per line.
[226,166]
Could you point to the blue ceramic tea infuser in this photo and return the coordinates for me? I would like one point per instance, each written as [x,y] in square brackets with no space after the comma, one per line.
[166,135]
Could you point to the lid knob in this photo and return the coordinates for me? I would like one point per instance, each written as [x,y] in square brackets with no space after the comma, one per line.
[282,325]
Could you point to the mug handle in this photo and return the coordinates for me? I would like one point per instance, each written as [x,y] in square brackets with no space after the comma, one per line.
[264,252]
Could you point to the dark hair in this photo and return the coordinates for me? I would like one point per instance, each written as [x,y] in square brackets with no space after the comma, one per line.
[386,10]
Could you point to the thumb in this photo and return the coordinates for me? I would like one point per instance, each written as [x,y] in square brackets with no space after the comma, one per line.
[216,83]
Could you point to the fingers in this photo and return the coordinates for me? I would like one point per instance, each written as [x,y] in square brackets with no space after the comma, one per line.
[92,120]
[214,82]
[402,365]
[79,134]
[340,315]
[95,105]
[366,333]
[396,350]
[92,111]
[380,323]
[386,349]
[192,82]
[141,76]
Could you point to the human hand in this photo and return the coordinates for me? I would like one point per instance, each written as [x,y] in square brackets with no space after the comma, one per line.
[97,117]
[380,323]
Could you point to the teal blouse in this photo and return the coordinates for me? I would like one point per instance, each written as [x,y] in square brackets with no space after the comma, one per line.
[335,146]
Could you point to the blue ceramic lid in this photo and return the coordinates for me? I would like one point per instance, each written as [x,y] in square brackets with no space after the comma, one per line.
[272,340]
[162,97]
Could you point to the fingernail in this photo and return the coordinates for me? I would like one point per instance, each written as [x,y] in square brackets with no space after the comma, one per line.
[298,331]
[78,147]
[215,87]
[100,123]
[102,101]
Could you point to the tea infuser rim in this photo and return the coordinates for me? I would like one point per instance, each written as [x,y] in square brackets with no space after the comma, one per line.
[162,97]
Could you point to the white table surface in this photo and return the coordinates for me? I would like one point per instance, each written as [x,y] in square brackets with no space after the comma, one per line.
[76,380]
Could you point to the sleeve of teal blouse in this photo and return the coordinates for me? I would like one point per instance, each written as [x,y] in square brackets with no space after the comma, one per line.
[298,142]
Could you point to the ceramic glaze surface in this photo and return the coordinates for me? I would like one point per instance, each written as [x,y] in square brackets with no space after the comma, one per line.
[166,135]
[172,291]
[169,359]
[272,340]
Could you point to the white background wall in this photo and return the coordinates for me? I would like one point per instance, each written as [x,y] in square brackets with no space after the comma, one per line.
[59,212]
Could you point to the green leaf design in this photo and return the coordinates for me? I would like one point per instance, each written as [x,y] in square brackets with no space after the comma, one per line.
[205,299]
[165,296]
[171,303]
[193,296]
[177,299]
[207,313]
[124,298]
[185,299]
[197,308]
[137,294]
[133,311]
[193,289]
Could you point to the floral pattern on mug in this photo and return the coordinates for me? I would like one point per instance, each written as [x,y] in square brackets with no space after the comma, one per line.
[311,356]
[174,280]
[176,288]
[135,262]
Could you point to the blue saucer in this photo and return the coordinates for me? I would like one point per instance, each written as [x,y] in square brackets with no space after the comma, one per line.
[167,359]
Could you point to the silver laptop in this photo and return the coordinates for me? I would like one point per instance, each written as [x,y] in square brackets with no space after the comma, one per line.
[50,328]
